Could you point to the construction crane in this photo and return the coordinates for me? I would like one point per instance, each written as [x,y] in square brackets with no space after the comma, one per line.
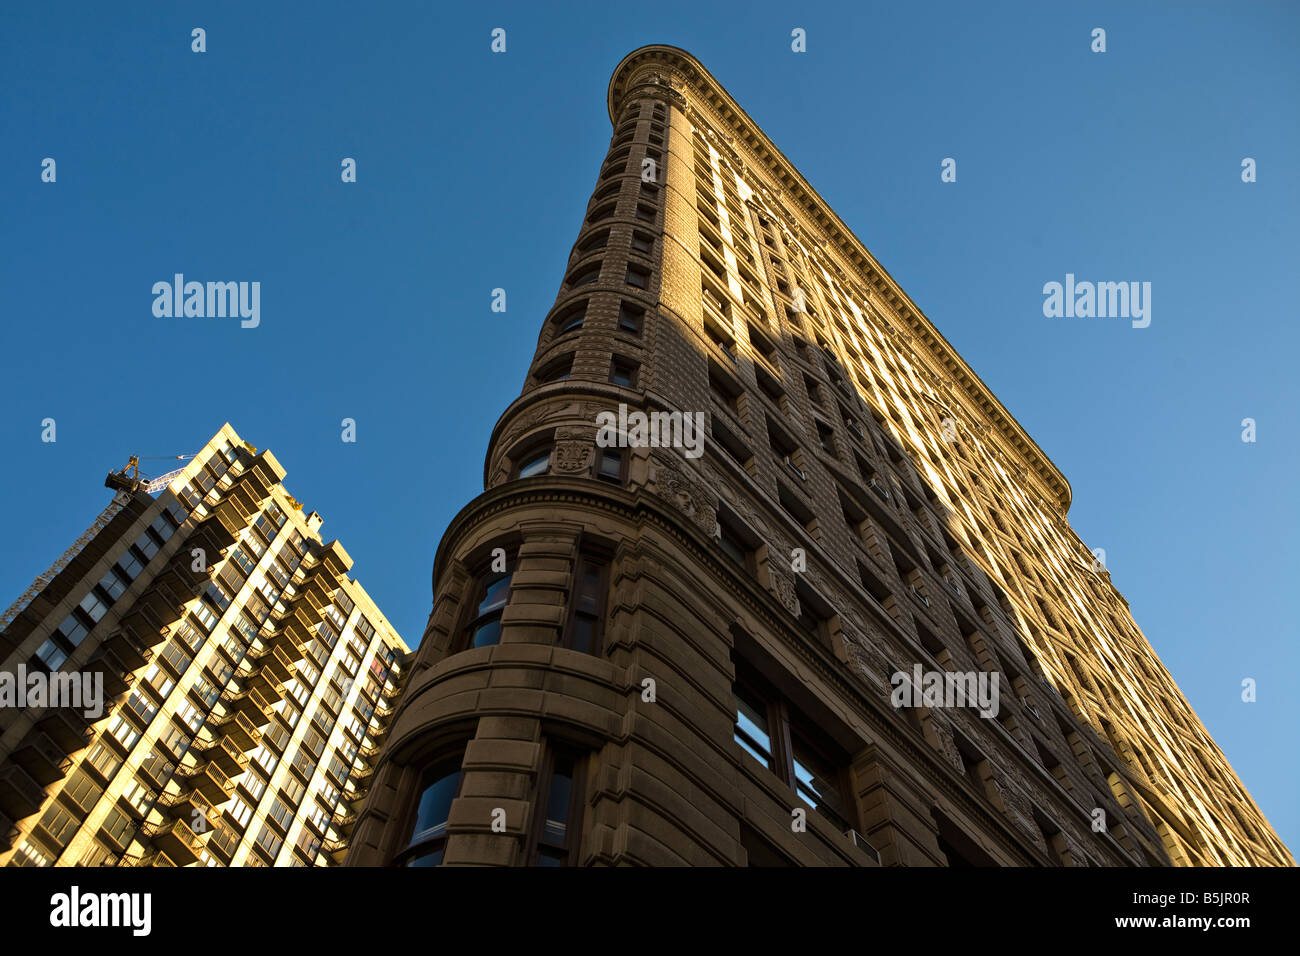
[129,479]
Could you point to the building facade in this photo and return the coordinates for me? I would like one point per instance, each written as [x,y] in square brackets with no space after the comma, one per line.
[644,650]
[244,682]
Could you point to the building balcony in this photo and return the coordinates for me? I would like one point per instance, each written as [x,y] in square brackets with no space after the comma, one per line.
[222,527]
[266,682]
[237,729]
[252,703]
[317,592]
[20,795]
[335,561]
[188,804]
[247,495]
[225,753]
[336,849]
[303,617]
[146,799]
[7,832]
[156,608]
[175,839]
[150,620]
[276,663]
[270,690]
[121,655]
[292,639]
[157,858]
[212,541]
[343,817]
[212,781]
[68,728]
[223,842]
[42,758]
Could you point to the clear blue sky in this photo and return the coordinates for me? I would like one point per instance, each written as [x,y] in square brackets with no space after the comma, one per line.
[473,171]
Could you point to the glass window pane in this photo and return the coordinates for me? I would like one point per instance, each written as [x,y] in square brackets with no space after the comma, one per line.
[495,598]
[51,655]
[435,802]
[751,730]
[556,825]
[584,632]
[73,630]
[433,858]
[536,465]
[611,461]
[487,633]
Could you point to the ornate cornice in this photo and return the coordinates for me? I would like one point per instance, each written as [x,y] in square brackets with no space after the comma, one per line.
[672,71]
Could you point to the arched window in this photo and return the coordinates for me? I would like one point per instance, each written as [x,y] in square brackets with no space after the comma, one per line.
[439,786]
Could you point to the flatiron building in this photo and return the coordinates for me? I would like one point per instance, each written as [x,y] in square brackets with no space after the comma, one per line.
[643,652]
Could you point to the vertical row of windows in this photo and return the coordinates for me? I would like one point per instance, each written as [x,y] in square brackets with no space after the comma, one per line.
[558,801]
[583,627]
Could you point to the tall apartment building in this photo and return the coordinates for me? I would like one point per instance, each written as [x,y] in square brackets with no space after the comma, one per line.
[639,656]
[247,681]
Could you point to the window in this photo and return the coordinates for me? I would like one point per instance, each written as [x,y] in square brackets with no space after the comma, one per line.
[535,462]
[638,277]
[771,388]
[438,788]
[720,337]
[724,389]
[51,655]
[603,212]
[103,761]
[610,464]
[82,791]
[630,318]
[815,615]
[205,615]
[728,442]
[783,740]
[623,372]
[117,827]
[735,542]
[584,276]
[571,319]
[797,509]
[593,242]
[751,730]
[645,213]
[556,371]
[129,565]
[74,629]
[113,583]
[60,825]
[814,391]
[826,438]
[558,810]
[786,449]
[121,731]
[587,606]
[269,842]
[142,707]
[642,242]
[490,597]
